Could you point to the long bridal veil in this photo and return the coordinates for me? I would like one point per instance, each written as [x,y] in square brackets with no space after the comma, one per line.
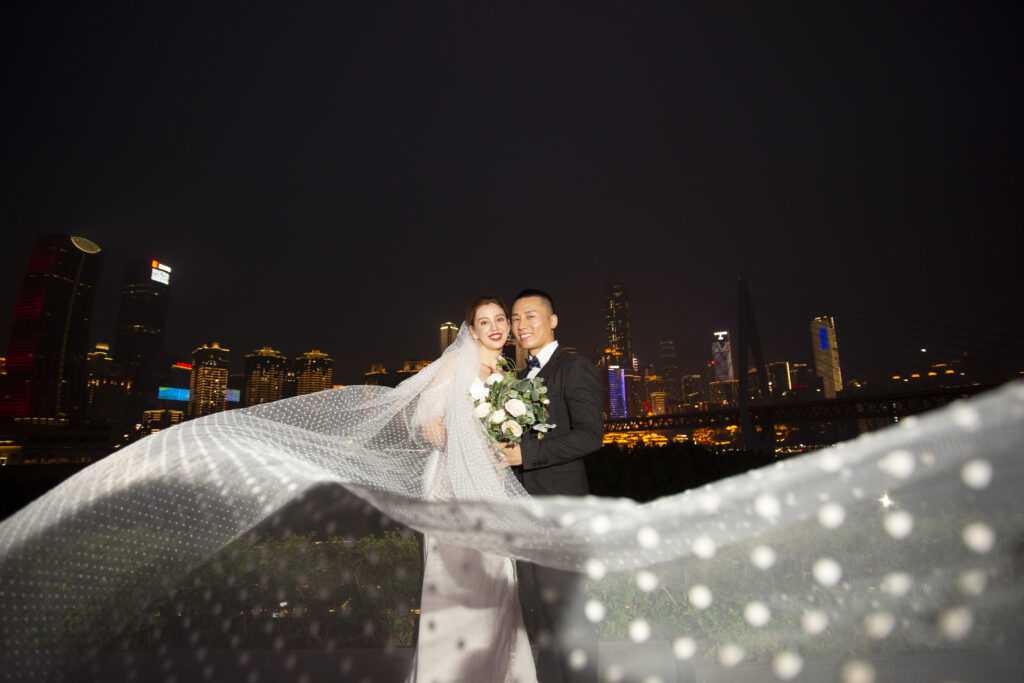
[898,552]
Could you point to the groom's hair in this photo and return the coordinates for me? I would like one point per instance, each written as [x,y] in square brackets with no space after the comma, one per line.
[527,293]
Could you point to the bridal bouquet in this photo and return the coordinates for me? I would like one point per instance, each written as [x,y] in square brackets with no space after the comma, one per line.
[508,407]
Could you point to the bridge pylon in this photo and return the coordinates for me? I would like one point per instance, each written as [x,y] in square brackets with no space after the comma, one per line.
[749,343]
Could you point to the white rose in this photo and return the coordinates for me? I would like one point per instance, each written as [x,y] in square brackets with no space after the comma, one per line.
[498,416]
[481,411]
[512,426]
[546,401]
[494,378]
[477,390]
[515,407]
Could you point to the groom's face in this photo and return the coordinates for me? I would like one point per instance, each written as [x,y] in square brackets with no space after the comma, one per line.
[533,323]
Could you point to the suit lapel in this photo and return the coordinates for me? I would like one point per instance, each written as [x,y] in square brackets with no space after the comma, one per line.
[552,362]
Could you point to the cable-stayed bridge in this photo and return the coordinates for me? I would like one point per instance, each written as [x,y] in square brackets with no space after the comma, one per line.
[887,368]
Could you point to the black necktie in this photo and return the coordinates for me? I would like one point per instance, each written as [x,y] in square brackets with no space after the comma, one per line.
[532,362]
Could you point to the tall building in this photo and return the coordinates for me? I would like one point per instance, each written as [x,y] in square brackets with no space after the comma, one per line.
[377,376]
[208,384]
[448,333]
[802,379]
[108,390]
[723,393]
[618,341]
[779,378]
[616,394]
[174,392]
[99,360]
[721,357]
[264,376]
[314,371]
[410,368]
[654,388]
[636,393]
[668,368]
[692,389]
[47,367]
[141,320]
[826,354]
[155,420]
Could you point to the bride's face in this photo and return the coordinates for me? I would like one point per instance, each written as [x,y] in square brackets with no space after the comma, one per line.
[490,326]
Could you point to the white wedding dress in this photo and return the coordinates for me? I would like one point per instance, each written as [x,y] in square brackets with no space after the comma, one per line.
[471,623]
[892,552]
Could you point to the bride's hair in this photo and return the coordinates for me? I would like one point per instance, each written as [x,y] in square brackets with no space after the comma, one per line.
[481,301]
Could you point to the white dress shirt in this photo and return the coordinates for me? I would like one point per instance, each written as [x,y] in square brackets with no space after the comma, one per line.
[544,355]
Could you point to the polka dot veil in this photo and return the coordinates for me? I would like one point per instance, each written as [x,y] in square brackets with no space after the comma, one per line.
[902,546]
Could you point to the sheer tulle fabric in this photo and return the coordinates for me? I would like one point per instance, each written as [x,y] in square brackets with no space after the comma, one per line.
[901,546]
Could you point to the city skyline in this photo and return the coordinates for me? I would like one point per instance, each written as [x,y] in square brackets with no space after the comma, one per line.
[342,185]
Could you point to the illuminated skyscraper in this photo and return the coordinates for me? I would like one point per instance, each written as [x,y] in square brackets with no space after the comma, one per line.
[155,420]
[448,333]
[264,376]
[826,354]
[802,379]
[721,357]
[616,393]
[410,368]
[377,376]
[778,375]
[668,368]
[692,388]
[99,361]
[618,342]
[209,381]
[108,389]
[47,368]
[140,330]
[654,388]
[723,393]
[314,371]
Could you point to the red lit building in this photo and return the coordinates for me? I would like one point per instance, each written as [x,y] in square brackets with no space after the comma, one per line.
[47,368]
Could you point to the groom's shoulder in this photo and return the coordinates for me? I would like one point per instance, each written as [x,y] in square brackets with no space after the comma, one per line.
[574,362]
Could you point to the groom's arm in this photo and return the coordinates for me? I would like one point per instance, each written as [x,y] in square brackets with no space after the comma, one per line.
[585,431]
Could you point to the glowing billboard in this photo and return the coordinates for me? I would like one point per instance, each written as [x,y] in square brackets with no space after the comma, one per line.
[173,394]
[232,395]
[161,272]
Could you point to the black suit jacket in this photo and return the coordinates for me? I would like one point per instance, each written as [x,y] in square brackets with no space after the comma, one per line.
[553,465]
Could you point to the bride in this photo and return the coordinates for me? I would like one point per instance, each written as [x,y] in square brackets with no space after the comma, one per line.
[471,623]
[896,552]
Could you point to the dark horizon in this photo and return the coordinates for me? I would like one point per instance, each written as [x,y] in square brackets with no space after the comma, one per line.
[348,178]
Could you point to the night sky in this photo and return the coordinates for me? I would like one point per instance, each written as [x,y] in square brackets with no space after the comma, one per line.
[347,176]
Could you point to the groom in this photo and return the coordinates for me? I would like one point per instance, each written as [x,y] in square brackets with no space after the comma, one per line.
[553,465]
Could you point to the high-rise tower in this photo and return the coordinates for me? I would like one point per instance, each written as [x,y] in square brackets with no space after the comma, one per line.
[141,320]
[721,357]
[314,371]
[826,354]
[448,333]
[209,381]
[47,367]
[618,342]
[668,368]
[264,376]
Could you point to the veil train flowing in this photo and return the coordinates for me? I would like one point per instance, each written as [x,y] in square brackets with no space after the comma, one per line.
[899,551]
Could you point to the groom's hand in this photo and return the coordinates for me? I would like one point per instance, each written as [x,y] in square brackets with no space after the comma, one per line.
[513,454]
